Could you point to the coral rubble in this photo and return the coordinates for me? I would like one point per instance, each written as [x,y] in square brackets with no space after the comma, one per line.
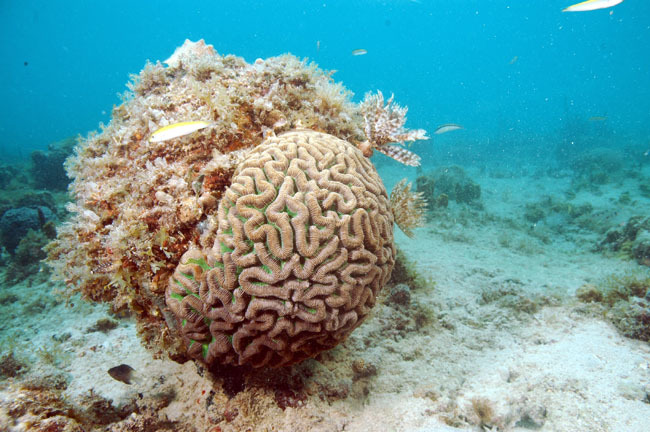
[140,205]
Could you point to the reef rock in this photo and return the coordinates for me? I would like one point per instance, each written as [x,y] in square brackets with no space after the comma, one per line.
[597,166]
[450,183]
[633,238]
[47,167]
[140,205]
[16,222]
[189,52]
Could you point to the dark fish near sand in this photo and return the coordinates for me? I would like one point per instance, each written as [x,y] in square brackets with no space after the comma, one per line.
[122,373]
[447,128]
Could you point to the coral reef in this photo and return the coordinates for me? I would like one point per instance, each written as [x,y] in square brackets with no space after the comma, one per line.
[304,245]
[624,300]
[631,239]
[140,205]
[561,215]
[450,183]
[597,166]
[426,186]
[34,198]
[7,173]
[10,367]
[47,169]
[48,409]
[16,222]
[509,296]
[26,259]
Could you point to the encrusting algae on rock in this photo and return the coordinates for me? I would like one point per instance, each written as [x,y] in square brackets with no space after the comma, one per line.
[140,204]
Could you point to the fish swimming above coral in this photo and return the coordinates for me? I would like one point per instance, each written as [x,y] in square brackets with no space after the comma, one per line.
[590,5]
[177,130]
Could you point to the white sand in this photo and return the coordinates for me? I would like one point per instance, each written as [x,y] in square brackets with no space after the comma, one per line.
[557,369]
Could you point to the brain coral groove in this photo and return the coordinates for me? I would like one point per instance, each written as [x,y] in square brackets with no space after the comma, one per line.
[304,244]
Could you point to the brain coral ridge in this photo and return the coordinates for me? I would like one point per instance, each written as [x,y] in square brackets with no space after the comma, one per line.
[303,246]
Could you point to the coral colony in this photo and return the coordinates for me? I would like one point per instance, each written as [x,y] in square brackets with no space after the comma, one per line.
[261,234]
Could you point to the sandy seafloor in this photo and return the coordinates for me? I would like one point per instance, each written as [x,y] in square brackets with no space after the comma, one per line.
[497,323]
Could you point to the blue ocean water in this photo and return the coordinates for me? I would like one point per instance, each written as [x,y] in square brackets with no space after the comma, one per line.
[540,206]
[509,71]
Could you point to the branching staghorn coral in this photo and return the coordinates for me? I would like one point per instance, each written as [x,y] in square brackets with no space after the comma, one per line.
[384,125]
[138,205]
[304,244]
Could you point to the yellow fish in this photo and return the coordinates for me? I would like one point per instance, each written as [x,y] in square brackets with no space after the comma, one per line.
[177,130]
[360,51]
[590,5]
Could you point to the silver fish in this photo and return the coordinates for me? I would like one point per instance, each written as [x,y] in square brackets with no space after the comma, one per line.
[447,128]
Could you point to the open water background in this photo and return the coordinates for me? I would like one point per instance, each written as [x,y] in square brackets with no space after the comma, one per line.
[520,76]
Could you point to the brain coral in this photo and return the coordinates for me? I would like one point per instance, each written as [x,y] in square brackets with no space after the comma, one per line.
[303,246]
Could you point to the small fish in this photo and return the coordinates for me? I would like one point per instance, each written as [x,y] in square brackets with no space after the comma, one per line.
[317,45]
[177,130]
[360,51]
[597,118]
[590,5]
[122,373]
[514,60]
[447,128]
